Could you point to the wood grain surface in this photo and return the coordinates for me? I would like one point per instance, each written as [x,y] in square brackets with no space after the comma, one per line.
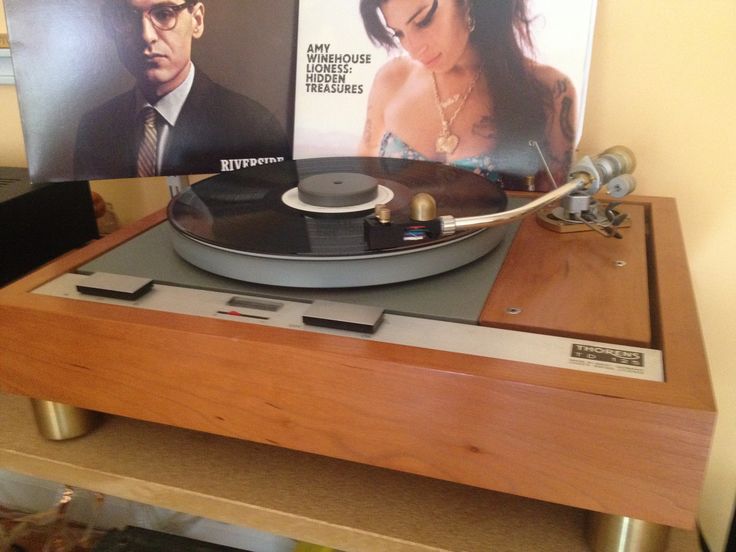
[576,284]
[592,441]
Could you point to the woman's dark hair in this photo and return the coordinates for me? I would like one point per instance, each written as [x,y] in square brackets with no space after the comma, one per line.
[521,103]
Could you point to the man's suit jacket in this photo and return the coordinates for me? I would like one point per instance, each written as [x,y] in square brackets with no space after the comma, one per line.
[215,123]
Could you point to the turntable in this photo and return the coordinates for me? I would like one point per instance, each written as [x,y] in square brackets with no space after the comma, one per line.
[478,346]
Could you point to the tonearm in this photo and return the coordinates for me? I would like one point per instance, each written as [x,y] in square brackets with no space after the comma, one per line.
[611,169]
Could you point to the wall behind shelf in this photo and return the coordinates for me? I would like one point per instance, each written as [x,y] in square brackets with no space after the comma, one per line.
[12,152]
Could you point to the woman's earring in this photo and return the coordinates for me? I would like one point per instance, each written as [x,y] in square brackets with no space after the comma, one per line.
[470,22]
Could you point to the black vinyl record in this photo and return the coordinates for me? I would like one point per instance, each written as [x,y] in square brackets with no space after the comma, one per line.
[258,210]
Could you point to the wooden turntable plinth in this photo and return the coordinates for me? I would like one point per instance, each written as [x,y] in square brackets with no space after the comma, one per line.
[598,442]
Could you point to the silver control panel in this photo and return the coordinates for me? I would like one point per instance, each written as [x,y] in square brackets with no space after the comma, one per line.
[573,354]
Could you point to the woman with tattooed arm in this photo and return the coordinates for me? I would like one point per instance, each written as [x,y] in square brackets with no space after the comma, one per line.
[467,93]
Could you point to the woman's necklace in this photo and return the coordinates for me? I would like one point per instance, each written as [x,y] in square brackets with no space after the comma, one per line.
[447,102]
[447,142]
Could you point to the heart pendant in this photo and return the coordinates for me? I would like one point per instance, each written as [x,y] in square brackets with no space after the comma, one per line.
[447,143]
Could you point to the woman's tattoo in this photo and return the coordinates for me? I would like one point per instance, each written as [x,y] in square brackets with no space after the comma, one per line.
[560,88]
[567,124]
[561,164]
[485,128]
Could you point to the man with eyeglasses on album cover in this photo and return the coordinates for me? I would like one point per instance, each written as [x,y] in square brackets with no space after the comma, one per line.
[176,120]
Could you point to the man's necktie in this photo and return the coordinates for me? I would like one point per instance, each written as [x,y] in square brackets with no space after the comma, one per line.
[147,150]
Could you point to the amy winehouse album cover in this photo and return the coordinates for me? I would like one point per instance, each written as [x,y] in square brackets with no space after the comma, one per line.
[485,86]
[125,88]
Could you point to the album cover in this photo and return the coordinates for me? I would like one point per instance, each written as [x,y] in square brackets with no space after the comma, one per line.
[464,82]
[84,68]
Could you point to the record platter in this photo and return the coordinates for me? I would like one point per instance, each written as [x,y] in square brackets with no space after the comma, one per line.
[301,223]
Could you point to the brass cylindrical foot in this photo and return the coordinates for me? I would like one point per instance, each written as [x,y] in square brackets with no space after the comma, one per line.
[611,533]
[307,547]
[58,421]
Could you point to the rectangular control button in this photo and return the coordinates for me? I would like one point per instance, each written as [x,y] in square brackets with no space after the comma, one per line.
[343,316]
[115,286]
